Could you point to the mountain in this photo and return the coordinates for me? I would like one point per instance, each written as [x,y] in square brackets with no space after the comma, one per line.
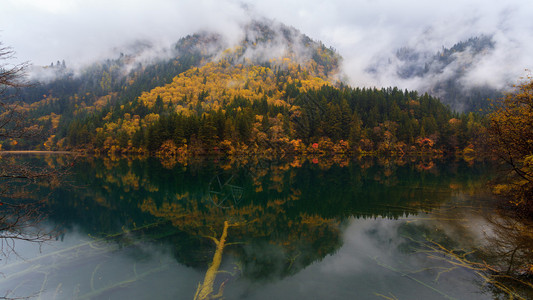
[443,72]
[276,91]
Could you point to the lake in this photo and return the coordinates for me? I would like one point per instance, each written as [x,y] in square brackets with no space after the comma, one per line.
[259,229]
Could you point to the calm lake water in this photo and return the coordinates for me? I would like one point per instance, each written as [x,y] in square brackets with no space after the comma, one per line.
[368,229]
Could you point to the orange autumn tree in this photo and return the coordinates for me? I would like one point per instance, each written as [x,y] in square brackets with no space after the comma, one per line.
[511,130]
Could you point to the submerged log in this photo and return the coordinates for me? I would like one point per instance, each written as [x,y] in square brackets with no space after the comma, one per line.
[206,289]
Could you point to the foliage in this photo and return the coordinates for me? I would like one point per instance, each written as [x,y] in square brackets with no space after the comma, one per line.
[511,130]
[209,99]
[13,123]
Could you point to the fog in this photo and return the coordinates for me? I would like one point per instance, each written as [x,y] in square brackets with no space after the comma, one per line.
[364,33]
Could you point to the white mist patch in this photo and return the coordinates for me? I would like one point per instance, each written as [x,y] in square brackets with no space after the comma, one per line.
[362,241]
[363,32]
[78,266]
[85,31]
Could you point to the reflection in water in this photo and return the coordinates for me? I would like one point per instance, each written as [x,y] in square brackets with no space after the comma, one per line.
[299,229]
[509,250]
[471,236]
[20,211]
[511,243]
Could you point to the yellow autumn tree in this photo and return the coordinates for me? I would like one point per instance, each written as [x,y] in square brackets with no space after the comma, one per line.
[511,131]
[219,81]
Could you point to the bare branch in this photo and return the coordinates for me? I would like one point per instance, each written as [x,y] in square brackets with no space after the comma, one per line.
[21,208]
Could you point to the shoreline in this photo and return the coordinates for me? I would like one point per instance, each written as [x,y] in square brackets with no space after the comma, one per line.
[35,152]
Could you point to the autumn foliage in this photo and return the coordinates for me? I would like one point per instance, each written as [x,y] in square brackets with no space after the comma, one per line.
[511,131]
[240,100]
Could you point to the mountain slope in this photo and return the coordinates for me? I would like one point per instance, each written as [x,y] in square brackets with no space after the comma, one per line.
[444,73]
[274,91]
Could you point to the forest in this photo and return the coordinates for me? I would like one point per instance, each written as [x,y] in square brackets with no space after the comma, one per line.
[208,99]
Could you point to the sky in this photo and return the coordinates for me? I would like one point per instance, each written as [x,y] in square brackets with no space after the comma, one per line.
[362,31]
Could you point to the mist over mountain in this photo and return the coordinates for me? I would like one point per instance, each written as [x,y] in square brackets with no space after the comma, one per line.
[444,73]
[274,91]
[264,42]
[363,33]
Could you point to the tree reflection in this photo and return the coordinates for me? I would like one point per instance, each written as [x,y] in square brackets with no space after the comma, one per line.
[25,184]
[510,251]
[22,200]
[292,213]
[500,258]
[289,215]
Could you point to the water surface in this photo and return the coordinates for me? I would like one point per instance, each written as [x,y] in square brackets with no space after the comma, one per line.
[367,229]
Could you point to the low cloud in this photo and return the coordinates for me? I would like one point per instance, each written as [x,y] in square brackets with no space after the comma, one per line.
[363,32]
[84,31]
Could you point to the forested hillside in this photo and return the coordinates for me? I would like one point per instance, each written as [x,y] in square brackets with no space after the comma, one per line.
[277,91]
[442,73]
